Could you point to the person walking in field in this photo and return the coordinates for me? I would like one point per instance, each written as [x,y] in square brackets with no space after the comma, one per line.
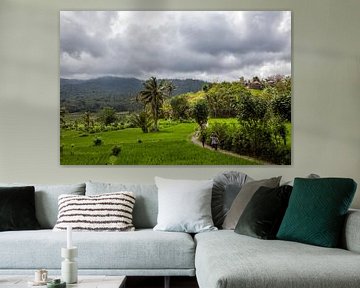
[214,141]
[203,139]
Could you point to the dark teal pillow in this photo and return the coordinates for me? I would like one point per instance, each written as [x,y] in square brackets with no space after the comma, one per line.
[316,211]
[17,208]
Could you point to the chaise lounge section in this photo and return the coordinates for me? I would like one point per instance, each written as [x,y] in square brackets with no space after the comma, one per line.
[225,259]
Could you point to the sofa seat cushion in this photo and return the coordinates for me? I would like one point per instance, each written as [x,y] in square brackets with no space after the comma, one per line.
[142,249]
[226,259]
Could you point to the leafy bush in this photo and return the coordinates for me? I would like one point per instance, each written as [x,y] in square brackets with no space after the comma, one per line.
[223,98]
[281,155]
[254,138]
[141,120]
[97,141]
[252,108]
[201,113]
[281,106]
[107,115]
[180,107]
[115,151]
[260,139]
[224,132]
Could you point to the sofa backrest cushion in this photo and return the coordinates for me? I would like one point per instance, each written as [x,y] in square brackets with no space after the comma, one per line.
[46,200]
[350,238]
[146,204]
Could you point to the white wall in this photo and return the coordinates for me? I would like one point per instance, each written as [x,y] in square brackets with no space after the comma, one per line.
[326,98]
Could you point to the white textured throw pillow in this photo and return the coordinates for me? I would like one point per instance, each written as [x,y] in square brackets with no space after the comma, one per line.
[105,212]
[184,205]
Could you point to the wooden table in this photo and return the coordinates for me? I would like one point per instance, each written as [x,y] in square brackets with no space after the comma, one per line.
[84,281]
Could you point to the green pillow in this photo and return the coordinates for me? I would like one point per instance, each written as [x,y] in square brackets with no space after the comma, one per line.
[316,211]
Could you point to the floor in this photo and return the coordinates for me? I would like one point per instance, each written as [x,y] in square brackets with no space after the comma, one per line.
[158,282]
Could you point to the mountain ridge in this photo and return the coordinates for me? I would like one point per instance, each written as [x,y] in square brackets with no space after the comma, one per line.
[79,95]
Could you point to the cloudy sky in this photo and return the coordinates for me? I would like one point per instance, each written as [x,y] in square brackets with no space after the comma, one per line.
[212,46]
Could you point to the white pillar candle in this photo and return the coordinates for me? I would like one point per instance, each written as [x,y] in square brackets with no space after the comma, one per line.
[69,237]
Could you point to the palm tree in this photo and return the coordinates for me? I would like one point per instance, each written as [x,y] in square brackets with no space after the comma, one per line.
[169,87]
[141,120]
[153,96]
[87,120]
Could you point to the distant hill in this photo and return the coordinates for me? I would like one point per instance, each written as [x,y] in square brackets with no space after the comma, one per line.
[94,94]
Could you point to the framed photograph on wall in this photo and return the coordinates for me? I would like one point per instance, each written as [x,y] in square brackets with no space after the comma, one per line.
[175,88]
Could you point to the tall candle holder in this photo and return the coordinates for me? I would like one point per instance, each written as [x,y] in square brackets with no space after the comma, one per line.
[69,271]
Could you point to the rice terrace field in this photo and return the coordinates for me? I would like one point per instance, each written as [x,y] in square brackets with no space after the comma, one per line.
[177,89]
[170,146]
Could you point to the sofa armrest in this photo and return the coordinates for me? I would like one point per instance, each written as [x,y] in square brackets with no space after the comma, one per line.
[351,234]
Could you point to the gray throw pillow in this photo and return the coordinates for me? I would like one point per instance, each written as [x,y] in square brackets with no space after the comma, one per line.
[310,176]
[184,205]
[46,200]
[226,187]
[242,199]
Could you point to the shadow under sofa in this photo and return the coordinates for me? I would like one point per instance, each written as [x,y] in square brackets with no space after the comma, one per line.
[220,259]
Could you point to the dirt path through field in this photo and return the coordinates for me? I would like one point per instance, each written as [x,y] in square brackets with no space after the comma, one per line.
[197,142]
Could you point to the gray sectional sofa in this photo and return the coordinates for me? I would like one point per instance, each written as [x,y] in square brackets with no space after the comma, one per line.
[219,259]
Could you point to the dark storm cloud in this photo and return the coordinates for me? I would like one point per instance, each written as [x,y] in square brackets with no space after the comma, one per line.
[85,32]
[75,41]
[206,45]
[258,34]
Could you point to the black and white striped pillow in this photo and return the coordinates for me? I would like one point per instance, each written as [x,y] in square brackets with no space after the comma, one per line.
[105,212]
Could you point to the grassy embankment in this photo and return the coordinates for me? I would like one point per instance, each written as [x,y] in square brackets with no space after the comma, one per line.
[170,146]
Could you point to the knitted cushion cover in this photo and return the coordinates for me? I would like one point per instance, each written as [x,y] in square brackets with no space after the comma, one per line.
[105,212]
